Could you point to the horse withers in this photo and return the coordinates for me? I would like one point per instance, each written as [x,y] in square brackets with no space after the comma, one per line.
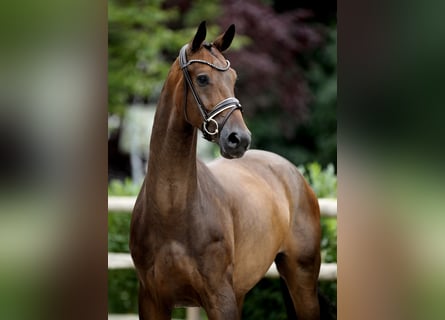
[205,234]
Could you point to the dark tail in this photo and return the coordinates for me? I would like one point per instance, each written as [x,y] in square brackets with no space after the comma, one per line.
[327,310]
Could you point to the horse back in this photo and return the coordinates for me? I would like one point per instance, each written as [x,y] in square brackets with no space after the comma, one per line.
[260,174]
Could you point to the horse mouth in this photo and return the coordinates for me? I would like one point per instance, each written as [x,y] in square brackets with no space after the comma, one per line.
[232,155]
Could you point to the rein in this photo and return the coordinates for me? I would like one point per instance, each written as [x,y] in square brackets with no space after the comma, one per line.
[208,116]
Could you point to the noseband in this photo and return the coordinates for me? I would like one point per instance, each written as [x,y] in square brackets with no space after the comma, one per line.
[230,103]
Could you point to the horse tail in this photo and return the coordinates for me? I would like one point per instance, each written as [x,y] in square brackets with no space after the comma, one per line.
[328,311]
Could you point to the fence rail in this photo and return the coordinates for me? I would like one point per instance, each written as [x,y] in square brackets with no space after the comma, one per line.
[328,271]
[328,207]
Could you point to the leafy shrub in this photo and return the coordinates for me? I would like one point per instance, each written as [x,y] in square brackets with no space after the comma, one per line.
[118,231]
[122,291]
[323,182]
[119,222]
[123,188]
[265,301]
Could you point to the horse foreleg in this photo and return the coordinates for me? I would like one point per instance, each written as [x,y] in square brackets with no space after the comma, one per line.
[240,302]
[149,310]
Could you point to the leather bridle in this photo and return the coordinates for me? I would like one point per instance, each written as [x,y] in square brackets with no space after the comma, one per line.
[230,103]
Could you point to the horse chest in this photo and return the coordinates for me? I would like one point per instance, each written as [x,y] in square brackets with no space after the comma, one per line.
[181,274]
[173,265]
[183,248]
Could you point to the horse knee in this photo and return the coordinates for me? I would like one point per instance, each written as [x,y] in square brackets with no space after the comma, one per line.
[222,306]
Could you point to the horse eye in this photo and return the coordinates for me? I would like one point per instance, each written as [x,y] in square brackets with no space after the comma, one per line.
[202,79]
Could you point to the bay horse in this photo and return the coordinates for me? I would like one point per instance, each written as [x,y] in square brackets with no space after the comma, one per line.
[204,235]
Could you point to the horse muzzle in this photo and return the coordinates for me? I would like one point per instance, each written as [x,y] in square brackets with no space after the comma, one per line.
[234,143]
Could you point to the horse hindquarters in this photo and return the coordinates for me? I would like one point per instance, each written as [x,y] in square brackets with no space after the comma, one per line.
[299,263]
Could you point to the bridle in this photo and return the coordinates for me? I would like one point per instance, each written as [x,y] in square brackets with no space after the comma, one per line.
[230,103]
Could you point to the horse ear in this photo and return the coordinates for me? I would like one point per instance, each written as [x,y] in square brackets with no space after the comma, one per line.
[199,36]
[224,40]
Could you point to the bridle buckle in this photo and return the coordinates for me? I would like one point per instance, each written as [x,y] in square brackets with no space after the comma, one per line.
[206,123]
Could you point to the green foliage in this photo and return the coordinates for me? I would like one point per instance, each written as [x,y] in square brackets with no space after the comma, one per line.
[144,38]
[122,291]
[314,138]
[265,301]
[323,182]
[122,284]
[329,239]
[202,8]
[134,62]
[119,222]
[322,77]
[118,231]
[123,188]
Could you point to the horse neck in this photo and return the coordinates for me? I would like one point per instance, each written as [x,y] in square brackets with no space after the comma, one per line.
[171,180]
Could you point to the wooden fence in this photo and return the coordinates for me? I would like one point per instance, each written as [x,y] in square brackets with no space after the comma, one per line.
[328,271]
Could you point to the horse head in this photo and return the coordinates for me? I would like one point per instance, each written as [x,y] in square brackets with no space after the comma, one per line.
[209,84]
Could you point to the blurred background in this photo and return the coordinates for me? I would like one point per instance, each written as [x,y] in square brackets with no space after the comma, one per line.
[285,54]
[54,112]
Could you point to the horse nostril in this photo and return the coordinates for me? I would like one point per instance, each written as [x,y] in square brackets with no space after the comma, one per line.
[235,144]
[234,139]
